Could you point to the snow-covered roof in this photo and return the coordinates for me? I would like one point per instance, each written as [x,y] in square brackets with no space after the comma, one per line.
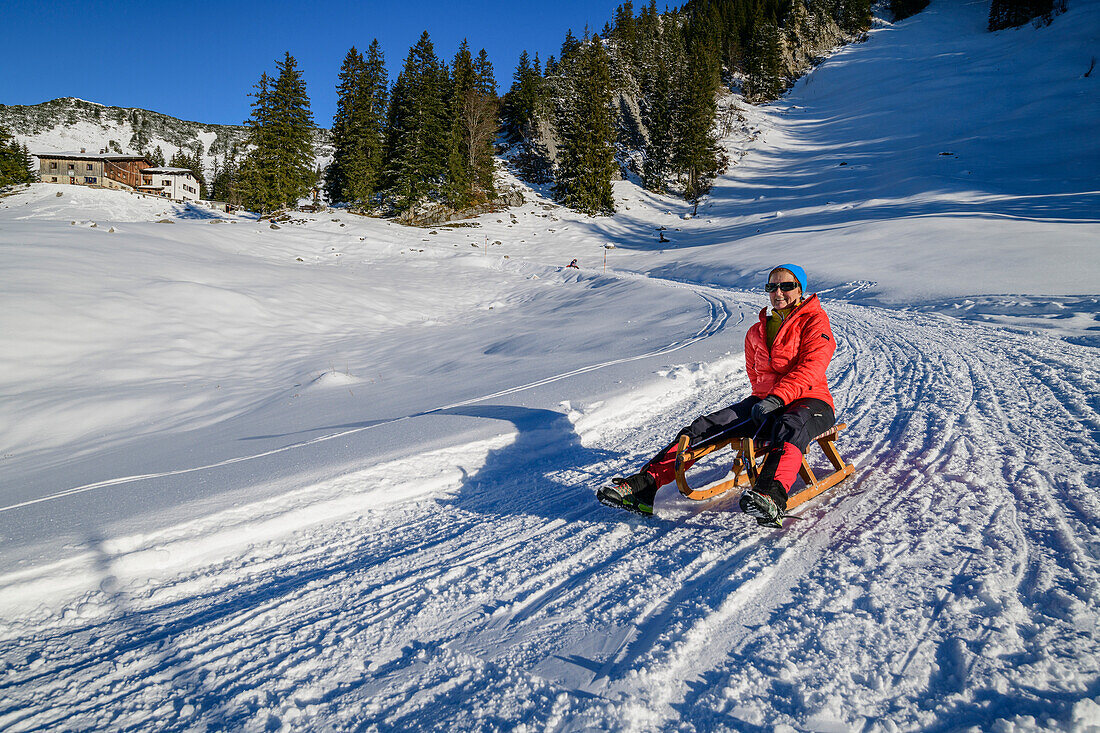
[168,171]
[89,156]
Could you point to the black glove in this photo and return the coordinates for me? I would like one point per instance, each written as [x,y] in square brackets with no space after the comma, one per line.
[763,409]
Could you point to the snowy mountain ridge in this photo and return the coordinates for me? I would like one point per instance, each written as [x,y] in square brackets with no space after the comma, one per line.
[68,123]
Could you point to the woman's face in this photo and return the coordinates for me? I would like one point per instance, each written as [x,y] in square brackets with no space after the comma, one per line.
[784,298]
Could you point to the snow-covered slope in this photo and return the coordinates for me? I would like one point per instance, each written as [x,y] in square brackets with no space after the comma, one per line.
[340,474]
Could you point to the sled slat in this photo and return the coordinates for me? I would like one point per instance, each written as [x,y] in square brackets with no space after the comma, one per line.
[745,467]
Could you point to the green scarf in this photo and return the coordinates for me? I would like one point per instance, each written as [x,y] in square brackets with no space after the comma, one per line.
[775,320]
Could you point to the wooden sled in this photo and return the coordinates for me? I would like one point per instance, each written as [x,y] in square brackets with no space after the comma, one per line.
[747,458]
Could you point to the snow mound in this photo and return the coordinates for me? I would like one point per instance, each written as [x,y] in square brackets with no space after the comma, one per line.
[333,379]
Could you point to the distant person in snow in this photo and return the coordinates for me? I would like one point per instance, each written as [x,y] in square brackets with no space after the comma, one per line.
[786,354]
[574,265]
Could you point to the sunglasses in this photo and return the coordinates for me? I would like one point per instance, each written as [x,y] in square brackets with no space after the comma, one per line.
[785,287]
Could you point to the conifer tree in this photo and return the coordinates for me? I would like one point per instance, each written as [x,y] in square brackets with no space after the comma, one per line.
[416,140]
[660,102]
[336,177]
[569,47]
[28,165]
[764,61]
[252,187]
[225,182]
[1012,13]
[294,131]
[521,103]
[902,9]
[375,86]
[459,164]
[139,141]
[706,25]
[696,150]
[279,168]
[855,15]
[14,161]
[585,126]
[625,31]
[473,125]
[358,128]
[482,126]
[648,33]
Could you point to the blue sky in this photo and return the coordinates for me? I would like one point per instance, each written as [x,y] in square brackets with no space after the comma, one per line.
[197,60]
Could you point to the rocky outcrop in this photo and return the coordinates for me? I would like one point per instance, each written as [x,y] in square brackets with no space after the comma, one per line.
[807,39]
[431,213]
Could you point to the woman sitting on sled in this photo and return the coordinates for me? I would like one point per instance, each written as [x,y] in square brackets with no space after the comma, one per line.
[786,354]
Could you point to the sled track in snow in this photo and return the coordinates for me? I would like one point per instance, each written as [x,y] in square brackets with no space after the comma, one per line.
[959,564]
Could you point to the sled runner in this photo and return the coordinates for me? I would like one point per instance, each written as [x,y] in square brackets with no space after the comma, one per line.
[746,468]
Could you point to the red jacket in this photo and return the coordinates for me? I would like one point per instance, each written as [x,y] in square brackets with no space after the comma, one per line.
[795,365]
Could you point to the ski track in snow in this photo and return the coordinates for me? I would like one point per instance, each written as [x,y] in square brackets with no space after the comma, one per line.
[956,566]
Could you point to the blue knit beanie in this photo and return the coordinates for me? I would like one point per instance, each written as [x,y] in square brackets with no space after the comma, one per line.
[798,272]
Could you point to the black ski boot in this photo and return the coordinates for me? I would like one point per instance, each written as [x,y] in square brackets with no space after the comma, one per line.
[633,493]
[767,502]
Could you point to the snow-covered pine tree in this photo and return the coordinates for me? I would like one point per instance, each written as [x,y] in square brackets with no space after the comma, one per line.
[585,127]
[416,140]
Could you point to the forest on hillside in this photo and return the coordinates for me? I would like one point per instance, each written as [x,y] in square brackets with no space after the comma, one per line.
[637,98]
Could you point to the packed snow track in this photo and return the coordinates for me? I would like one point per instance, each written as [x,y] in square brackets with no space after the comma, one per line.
[340,475]
[482,586]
